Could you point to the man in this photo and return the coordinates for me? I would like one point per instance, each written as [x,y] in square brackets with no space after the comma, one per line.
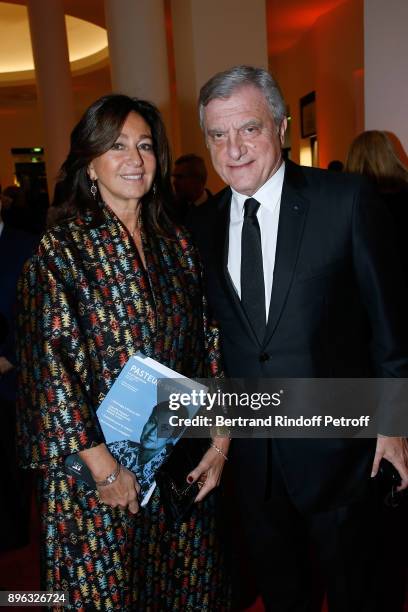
[335,166]
[303,283]
[189,179]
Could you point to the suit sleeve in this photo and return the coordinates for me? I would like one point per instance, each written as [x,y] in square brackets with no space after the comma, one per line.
[55,409]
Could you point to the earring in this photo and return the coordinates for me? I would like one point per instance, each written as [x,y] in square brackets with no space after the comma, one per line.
[154,189]
[94,189]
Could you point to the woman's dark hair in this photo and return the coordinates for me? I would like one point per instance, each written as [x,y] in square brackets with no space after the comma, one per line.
[95,133]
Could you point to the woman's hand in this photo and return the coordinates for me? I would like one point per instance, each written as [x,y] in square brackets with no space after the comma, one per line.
[208,472]
[123,491]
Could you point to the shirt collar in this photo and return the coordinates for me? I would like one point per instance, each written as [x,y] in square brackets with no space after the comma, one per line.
[267,195]
[1,226]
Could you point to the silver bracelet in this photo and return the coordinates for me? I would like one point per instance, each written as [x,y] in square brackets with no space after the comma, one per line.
[111,478]
[219,451]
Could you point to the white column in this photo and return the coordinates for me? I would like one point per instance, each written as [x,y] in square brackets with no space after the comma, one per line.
[53,77]
[209,36]
[137,50]
[385,58]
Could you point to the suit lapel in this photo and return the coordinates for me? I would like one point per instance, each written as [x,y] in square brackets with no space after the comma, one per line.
[293,211]
[223,244]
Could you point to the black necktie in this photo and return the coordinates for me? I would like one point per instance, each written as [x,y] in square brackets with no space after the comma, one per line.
[252,277]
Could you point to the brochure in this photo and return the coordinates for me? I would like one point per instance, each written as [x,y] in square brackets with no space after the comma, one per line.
[130,417]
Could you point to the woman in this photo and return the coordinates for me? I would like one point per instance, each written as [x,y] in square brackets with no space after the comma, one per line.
[112,278]
[371,153]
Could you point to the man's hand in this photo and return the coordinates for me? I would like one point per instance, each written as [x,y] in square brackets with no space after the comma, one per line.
[5,366]
[208,472]
[395,450]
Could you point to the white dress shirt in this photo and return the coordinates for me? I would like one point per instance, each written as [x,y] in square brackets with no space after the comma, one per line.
[1,226]
[269,197]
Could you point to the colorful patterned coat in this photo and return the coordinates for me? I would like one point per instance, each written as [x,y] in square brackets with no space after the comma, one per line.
[87,304]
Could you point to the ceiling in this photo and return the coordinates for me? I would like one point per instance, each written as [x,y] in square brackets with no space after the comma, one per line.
[89,10]
[287,20]
[86,80]
[87,42]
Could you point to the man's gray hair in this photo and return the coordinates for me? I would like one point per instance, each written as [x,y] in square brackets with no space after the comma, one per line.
[224,84]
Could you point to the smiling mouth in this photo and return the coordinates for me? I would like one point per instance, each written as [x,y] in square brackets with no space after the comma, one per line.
[240,166]
[132,177]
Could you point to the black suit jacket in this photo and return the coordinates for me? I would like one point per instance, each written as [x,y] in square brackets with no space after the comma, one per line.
[337,310]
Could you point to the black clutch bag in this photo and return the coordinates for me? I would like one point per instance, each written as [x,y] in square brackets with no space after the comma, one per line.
[177,495]
[388,480]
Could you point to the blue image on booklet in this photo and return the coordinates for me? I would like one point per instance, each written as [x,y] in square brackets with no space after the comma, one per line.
[130,416]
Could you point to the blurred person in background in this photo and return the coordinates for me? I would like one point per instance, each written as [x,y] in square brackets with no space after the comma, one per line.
[373,155]
[189,179]
[335,166]
[26,206]
[15,247]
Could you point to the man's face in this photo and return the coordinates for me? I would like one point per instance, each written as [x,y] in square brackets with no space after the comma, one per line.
[243,139]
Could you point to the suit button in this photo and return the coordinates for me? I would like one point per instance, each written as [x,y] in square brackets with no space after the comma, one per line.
[264,357]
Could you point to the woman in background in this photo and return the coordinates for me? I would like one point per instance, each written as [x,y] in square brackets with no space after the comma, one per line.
[113,277]
[373,155]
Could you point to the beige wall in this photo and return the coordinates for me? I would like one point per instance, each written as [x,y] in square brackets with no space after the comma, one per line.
[328,59]
[20,122]
[386,52]
[210,36]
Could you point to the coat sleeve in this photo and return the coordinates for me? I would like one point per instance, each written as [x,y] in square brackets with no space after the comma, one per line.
[212,344]
[55,408]
[212,366]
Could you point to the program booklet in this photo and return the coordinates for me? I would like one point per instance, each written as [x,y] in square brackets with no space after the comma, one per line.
[130,417]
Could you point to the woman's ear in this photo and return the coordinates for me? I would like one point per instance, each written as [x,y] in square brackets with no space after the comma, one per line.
[91,172]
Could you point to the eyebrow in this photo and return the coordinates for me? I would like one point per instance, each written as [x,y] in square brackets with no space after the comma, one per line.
[141,137]
[256,122]
[250,122]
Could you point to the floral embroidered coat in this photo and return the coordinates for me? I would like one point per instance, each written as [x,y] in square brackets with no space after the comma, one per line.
[86,305]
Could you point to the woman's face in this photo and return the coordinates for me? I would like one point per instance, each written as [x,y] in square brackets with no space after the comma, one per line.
[126,172]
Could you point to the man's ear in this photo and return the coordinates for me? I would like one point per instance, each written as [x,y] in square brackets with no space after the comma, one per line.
[282,129]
